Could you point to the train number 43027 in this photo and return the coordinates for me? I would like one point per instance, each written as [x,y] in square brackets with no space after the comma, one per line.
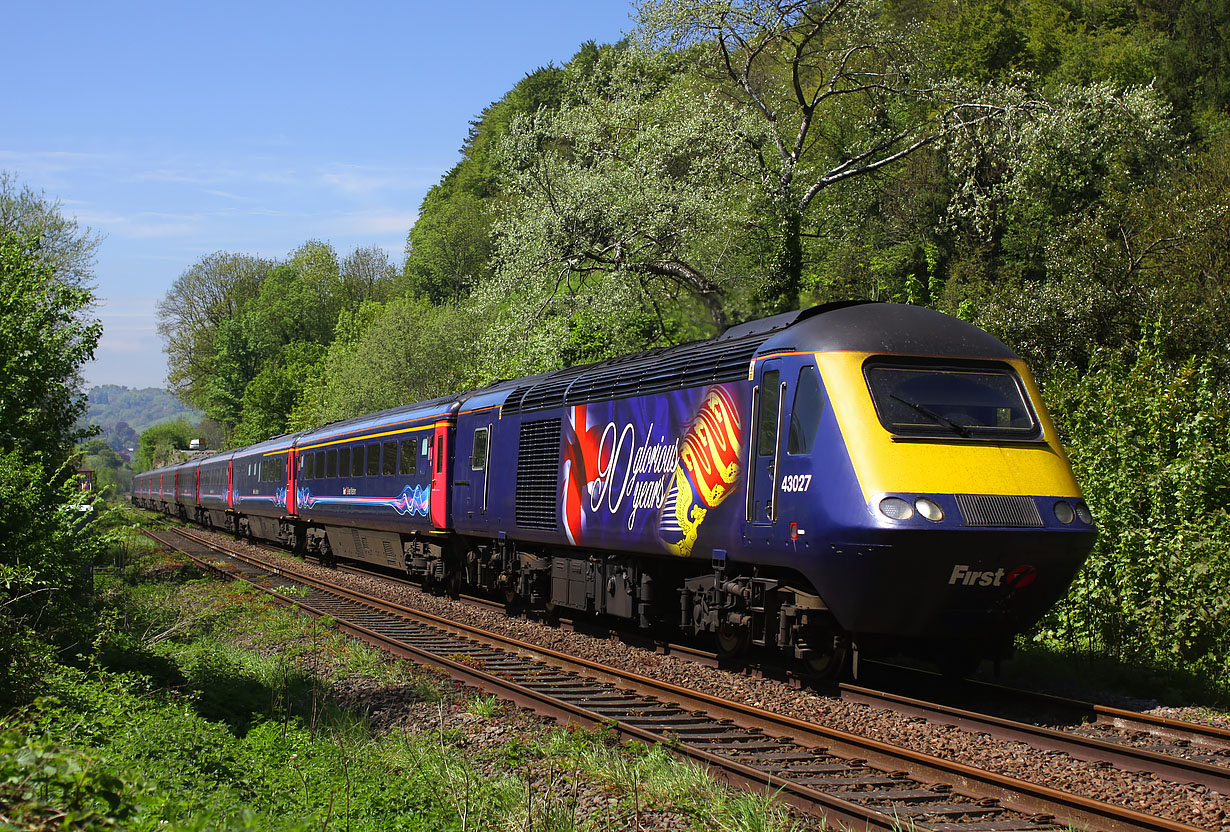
[796,482]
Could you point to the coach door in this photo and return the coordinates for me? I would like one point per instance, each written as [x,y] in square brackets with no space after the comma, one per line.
[292,460]
[765,445]
[470,486]
[441,472]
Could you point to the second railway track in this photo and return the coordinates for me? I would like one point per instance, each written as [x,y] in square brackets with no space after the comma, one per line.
[849,779]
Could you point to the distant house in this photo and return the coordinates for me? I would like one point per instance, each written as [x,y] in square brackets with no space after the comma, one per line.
[85,477]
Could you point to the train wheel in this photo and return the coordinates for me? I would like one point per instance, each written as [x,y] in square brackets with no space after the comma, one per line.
[827,664]
[732,640]
[828,651]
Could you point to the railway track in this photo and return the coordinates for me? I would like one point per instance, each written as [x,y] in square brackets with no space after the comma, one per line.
[1168,756]
[853,780]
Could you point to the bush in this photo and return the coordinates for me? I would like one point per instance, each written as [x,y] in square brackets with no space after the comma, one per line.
[1150,443]
[46,548]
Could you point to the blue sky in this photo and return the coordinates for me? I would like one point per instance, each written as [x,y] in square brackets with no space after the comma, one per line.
[177,130]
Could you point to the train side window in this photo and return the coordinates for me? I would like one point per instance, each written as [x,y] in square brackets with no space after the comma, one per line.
[439,454]
[356,457]
[331,465]
[478,459]
[770,392]
[425,456]
[320,465]
[409,456]
[373,459]
[308,464]
[805,413]
[343,462]
[389,461]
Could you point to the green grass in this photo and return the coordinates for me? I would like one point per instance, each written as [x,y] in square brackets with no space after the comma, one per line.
[203,705]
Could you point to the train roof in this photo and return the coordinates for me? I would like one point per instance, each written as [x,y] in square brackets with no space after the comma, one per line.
[860,326]
[894,328]
[397,417]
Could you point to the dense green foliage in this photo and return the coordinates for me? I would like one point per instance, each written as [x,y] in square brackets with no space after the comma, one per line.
[44,339]
[158,443]
[46,334]
[244,334]
[1150,443]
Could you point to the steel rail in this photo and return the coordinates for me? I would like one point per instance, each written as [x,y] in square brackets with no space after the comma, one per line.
[1194,732]
[1165,766]
[1018,795]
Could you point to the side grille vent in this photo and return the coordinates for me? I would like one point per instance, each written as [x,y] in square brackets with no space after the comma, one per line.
[995,510]
[538,474]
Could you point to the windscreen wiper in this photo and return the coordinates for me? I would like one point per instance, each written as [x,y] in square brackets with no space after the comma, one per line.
[957,427]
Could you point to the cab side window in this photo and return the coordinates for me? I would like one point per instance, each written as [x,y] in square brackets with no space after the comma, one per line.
[478,459]
[770,393]
[805,413]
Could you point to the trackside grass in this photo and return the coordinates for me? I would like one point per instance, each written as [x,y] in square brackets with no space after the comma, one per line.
[202,705]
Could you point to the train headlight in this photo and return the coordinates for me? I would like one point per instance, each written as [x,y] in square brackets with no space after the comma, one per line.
[1064,513]
[1083,512]
[896,508]
[929,508]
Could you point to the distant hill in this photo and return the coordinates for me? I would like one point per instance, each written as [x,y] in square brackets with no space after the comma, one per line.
[124,413]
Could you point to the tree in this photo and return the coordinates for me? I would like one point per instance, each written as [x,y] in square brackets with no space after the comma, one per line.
[58,242]
[633,179]
[45,337]
[837,96]
[158,443]
[449,248]
[211,292]
[389,355]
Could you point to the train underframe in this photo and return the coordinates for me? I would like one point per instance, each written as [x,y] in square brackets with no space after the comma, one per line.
[737,608]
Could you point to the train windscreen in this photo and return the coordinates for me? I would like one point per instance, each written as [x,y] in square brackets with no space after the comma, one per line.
[971,402]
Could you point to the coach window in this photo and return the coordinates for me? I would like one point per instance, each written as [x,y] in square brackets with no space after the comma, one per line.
[373,460]
[389,462]
[331,464]
[409,456]
[308,463]
[356,461]
[320,465]
[343,462]
[478,459]
[805,414]
[770,392]
[425,456]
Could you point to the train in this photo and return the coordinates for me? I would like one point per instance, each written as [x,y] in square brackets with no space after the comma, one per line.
[852,479]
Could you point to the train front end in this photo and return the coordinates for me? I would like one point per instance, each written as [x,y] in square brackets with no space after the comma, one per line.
[945,518]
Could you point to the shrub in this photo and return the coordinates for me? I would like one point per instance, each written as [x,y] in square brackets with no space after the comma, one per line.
[1150,443]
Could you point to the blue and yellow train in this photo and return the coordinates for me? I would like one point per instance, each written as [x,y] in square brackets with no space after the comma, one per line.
[865,475]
